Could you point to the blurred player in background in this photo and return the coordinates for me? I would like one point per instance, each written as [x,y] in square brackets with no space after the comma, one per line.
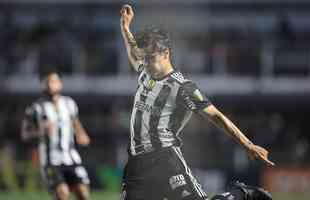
[163,104]
[54,120]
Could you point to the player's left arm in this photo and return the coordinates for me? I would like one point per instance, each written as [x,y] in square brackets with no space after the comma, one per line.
[82,137]
[197,102]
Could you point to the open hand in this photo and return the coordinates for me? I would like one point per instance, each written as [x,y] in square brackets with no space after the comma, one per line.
[257,152]
[127,15]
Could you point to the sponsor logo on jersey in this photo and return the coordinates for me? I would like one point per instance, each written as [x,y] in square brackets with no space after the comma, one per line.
[165,133]
[177,181]
[139,105]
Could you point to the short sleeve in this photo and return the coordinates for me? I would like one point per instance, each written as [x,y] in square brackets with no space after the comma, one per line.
[33,113]
[73,108]
[192,97]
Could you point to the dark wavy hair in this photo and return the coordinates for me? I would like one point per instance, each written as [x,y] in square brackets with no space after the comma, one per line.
[154,38]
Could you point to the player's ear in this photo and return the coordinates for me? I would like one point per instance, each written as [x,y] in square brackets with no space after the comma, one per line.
[167,54]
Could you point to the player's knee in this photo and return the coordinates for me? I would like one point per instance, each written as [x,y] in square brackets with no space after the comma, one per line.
[62,192]
[84,195]
[83,192]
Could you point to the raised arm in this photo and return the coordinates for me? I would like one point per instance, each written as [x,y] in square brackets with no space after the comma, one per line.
[135,54]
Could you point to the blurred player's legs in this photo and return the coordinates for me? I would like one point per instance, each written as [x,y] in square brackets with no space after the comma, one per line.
[62,192]
[81,191]
[61,180]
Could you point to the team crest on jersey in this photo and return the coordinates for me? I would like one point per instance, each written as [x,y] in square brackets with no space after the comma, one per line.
[151,84]
[177,181]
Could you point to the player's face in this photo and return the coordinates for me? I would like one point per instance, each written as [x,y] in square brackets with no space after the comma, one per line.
[155,61]
[53,84]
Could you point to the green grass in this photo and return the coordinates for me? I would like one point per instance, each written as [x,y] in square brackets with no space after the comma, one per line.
[115,196]
[46,196]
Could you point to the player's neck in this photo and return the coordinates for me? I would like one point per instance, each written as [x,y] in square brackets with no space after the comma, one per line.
[53,97]
[166,70]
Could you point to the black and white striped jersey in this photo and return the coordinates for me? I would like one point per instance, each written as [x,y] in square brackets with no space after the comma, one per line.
[160,111]
[57,148]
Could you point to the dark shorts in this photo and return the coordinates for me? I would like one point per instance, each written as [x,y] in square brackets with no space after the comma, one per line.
[158,176]
[71,175]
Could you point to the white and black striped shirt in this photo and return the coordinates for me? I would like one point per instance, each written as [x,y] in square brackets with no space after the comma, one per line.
[160,111]
[57,148]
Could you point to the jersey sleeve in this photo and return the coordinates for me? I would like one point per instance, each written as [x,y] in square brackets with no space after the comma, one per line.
[73,107]
[192,97]
[33,114]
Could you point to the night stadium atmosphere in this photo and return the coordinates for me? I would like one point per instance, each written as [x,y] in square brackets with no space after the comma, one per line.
[154,100]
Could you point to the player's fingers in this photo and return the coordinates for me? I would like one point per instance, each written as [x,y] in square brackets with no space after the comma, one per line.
[262,152]
[261,149]
[269,162]
[123,12]
[266,160]
[128,9]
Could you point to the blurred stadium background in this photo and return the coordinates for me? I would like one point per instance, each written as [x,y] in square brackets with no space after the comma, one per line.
[251,57]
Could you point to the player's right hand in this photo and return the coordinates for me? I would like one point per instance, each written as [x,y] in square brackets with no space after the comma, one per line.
[258,152]
[127,15]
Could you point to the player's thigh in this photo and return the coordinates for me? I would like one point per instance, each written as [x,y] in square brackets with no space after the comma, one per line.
[180,180]
[140,191]
[76,175]
[139,184]
[185,187]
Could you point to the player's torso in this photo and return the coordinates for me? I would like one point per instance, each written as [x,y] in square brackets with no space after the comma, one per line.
[58,147]
[153,116]
[59,115]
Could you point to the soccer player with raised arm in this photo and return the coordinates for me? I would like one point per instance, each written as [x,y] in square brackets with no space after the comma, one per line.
[163,104]
[54,120]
